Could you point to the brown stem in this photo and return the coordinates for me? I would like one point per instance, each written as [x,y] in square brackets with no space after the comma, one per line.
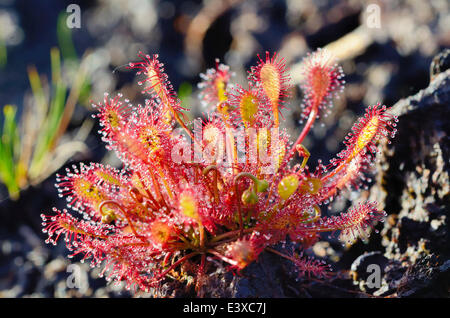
[202,234]
[231,233]
[269,249]
[181,260]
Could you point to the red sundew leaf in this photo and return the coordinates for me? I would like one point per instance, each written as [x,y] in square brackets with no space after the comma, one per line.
[133,271]
[196,207]
[308,266]
[85,187]
[376,124]
[146,141]
[210,137]
[156,82]
[73,230]
[351,177]
[214,85]
[246,250]
[113,114]
[92,249]
[322,81]
[359,221]
[354,224]
[249,107]
[274,79]
[361,142]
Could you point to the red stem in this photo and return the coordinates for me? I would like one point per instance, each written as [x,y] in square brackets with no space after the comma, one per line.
[223,258]
[311,119]
[305,131]
[238,197]
[241,222]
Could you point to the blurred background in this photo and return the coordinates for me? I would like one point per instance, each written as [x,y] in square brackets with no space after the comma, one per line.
[55,63]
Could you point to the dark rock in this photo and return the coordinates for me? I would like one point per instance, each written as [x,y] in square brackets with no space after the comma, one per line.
[268,277]
[412,186]
[274,277]
[440,63]
[426,278]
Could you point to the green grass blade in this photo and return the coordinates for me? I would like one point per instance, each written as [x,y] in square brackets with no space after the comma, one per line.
[69,53]
[38,92]
[64,35]
[53,118]
[9,150]
[3,54]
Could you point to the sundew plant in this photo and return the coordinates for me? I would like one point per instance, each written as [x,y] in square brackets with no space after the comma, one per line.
[227,189]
